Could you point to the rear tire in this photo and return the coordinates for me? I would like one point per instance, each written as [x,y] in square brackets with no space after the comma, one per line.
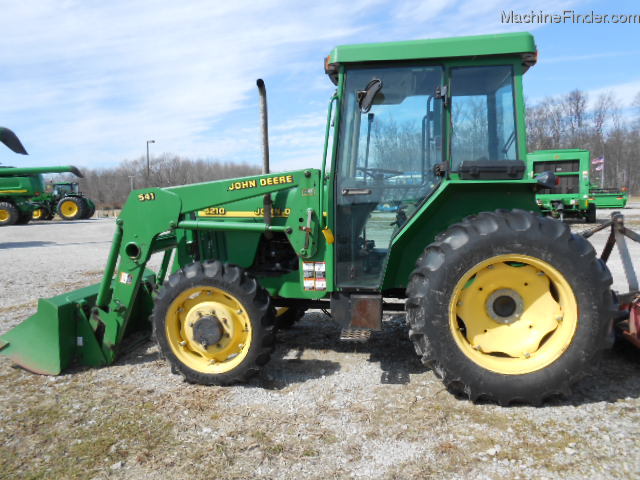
[72,208]
[9,214]
[214,323]
[91,209]
[509,306]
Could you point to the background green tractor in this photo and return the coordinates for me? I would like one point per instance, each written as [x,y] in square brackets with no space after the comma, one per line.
[20,190]
[570,198]
[65,199]
[502,303]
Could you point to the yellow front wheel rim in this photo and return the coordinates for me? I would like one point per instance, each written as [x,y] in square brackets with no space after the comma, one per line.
[4,215]
[37,214]
[513,314]
[205,314]
[69,208]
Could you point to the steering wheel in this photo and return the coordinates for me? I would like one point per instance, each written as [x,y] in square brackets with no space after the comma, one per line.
[376,173]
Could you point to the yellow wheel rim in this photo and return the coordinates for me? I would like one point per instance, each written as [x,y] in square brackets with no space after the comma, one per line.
[37,214]
[69,208]
[4,215]
[281,311]
[513,314]
[202,305]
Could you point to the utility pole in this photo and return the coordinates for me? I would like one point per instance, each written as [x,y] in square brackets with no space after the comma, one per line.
[148,142]
[131,177]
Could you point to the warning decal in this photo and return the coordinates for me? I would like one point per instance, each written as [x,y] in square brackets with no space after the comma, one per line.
[314,275]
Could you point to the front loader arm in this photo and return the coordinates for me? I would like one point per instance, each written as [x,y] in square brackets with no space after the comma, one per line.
[146,226]
[88,325]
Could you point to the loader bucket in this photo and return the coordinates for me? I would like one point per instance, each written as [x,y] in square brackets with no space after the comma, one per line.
[58,333]
[61,332]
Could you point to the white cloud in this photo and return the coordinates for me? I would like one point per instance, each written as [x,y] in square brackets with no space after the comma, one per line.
[89,82]
[625,93]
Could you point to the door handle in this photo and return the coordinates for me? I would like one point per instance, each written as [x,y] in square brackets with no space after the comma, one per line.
[356,191]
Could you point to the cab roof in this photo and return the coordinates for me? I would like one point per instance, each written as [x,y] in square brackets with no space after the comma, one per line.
[471,46]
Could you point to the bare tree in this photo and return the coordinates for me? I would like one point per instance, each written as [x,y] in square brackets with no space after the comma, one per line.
[110,187]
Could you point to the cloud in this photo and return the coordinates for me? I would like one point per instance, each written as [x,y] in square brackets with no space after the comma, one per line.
[90,82]
[591,56]
[625,93]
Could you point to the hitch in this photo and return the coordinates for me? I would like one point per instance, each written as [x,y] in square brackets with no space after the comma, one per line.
[628,323]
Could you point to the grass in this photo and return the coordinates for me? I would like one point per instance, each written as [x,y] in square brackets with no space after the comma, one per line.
[67,434]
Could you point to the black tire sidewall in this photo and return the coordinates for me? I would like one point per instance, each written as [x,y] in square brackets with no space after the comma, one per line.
[14,214]
[261,325]
[81,204]
[569,255]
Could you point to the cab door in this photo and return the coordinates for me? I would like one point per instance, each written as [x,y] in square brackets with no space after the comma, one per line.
[390,142]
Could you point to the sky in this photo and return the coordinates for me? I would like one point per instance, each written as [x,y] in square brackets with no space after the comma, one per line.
[88,82]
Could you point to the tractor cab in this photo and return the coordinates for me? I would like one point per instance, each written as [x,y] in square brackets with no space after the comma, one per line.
[65,188]
[413,114]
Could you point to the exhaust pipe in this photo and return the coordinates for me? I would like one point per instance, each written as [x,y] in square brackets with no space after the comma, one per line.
[265,149]
[265,125]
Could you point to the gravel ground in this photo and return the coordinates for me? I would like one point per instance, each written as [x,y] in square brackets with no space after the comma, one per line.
[320,409]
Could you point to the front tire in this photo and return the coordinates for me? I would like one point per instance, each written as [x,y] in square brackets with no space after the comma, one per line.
[286,317]
[39,213]
[214,323]
[9,214]
[509,306]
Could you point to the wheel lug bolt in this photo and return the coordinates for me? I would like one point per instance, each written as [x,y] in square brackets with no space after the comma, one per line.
[527,355]
[183,343]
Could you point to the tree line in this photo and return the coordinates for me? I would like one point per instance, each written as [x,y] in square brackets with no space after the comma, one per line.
[110,187]
[602,126]
[568,121]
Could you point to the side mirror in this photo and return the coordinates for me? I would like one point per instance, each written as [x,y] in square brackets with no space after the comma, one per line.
[442,93]
[365,97]
[547,179]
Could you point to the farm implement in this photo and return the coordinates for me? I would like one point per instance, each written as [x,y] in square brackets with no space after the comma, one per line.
[503,303]
[12,141]
[22,192]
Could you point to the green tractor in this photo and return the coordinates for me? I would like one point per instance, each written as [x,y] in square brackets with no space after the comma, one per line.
[21,189]
[570,198]
[65,199]
[502,303]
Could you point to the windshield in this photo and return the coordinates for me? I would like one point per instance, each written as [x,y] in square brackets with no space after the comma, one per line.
[66,188]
